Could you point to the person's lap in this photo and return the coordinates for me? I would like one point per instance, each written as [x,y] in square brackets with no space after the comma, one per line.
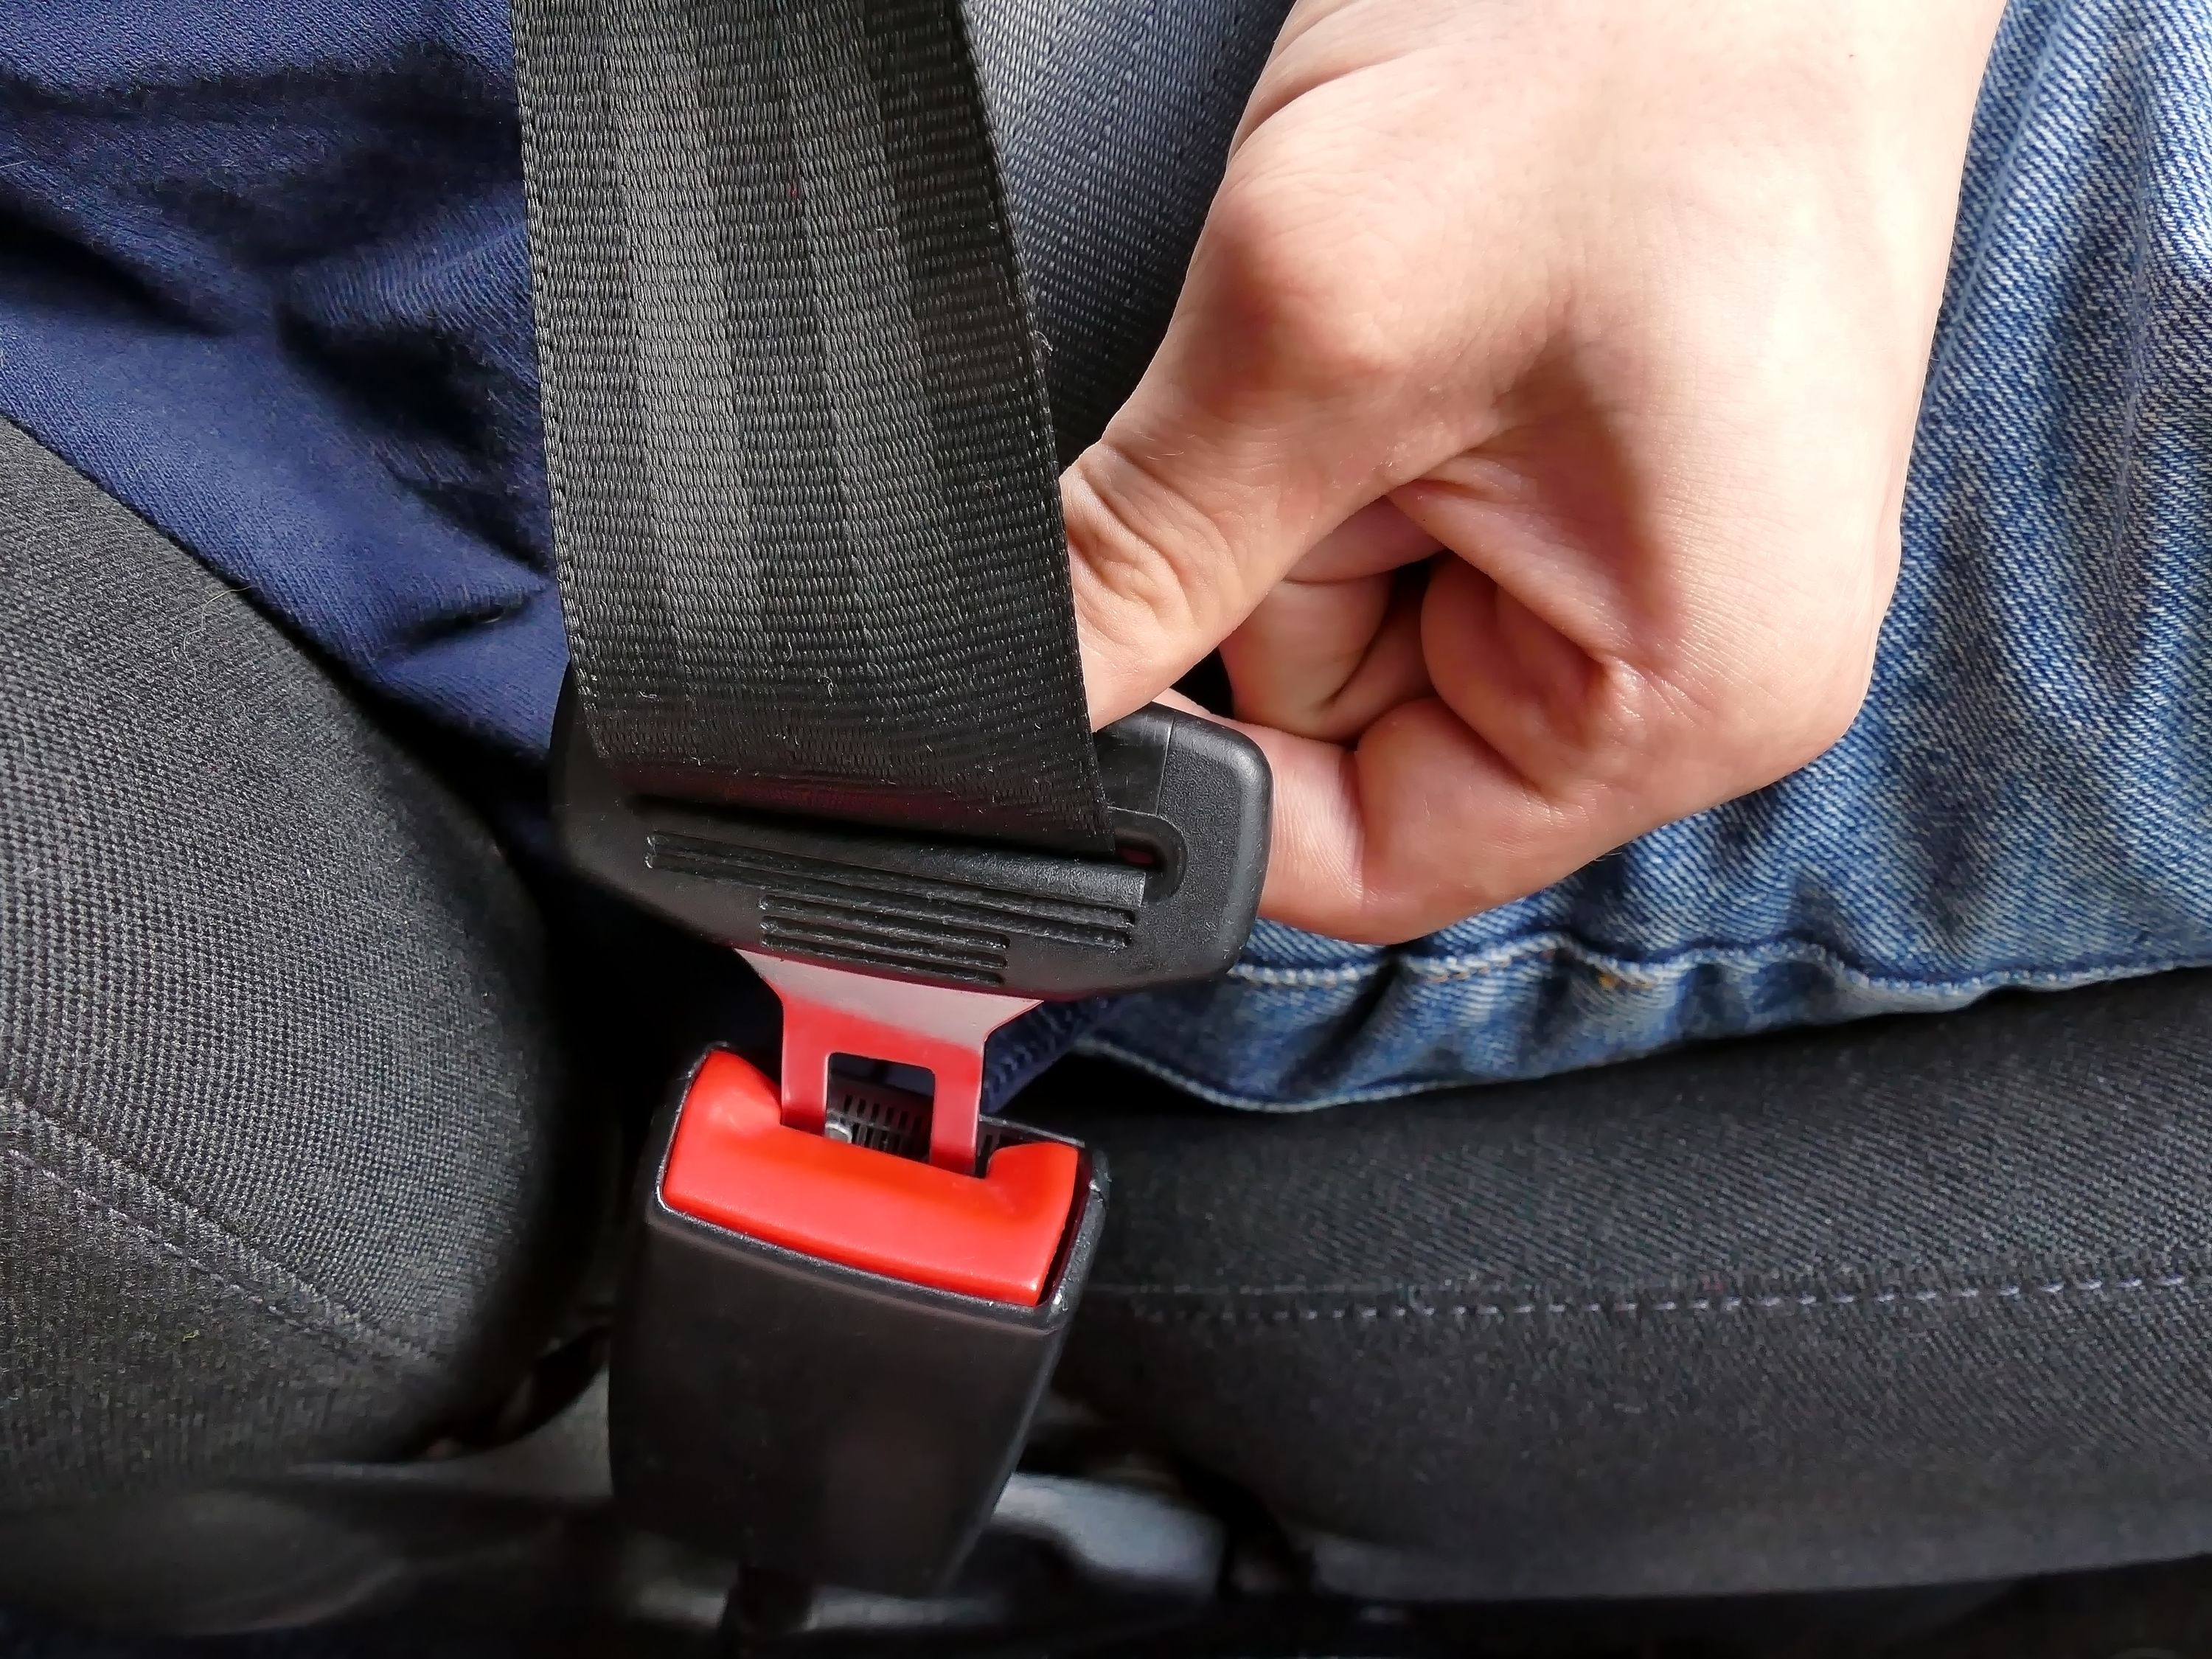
[2023,802]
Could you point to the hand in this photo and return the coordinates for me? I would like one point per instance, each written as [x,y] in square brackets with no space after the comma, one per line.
[1532,431]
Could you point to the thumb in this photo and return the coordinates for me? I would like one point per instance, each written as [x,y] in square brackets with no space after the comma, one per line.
[1237,452]
[1172,541]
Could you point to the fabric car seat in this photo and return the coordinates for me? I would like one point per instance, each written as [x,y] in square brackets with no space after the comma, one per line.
[1911,1302]
[1918,1302]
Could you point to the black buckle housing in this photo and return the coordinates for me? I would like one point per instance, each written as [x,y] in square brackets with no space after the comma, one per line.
[813,1419]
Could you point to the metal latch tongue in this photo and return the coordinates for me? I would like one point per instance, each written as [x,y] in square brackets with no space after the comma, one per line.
[829,1012]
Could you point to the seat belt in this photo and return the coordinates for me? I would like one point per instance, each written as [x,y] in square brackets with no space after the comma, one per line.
[826,707]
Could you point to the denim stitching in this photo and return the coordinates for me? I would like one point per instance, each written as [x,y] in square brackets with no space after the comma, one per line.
[1551,948]
[1938,995]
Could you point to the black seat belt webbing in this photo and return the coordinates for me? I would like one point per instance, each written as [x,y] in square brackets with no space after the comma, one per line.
[826,709]
[802,467]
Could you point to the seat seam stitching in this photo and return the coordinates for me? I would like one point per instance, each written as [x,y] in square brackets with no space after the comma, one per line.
[364,1337]
[1503,1309]
[322,1336]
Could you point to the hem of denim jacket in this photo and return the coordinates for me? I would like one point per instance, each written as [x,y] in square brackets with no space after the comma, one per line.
[1944,996]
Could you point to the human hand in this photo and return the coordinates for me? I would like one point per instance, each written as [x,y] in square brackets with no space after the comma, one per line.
[1532,430]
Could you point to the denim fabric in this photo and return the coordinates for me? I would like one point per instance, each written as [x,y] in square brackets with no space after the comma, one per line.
[2027,800]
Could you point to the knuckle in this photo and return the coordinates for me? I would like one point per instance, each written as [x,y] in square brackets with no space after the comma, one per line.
[1305,281]
[1695,738]
[1817,682]
[1822,717]
[1783,678]
[1771,723]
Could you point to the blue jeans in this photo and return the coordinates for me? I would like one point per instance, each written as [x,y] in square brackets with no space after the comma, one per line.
[2027,799]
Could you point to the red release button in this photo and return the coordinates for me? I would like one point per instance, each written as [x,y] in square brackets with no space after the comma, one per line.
[734,1163]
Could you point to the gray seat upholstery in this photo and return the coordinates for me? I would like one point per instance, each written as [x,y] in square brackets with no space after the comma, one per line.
[1919,1301]
[282,1127]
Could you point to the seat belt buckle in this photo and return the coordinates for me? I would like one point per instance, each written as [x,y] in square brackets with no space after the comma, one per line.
[844,1302]
[845,1299]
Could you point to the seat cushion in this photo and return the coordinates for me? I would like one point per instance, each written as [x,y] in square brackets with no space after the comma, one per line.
[281,1129]
[1914,1301]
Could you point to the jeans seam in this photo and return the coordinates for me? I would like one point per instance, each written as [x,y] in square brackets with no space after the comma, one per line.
[361,1341]
[1656,970]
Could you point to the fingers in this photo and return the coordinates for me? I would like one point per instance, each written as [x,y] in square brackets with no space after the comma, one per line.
[1526,754]
[1337,642]
[1299,381]
[1417,826]
[1378,537]
[1327,660]
[1172,547]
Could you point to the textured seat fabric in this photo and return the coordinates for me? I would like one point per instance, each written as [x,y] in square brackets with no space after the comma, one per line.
[1918,1301]
[281,1135]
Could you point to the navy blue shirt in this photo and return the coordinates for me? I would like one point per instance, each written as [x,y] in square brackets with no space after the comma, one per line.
[264,275]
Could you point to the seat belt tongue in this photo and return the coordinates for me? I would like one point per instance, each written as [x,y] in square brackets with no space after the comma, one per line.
[830,1010]
[1185,801]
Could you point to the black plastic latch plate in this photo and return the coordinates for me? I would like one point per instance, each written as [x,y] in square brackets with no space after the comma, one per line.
[1188,801]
